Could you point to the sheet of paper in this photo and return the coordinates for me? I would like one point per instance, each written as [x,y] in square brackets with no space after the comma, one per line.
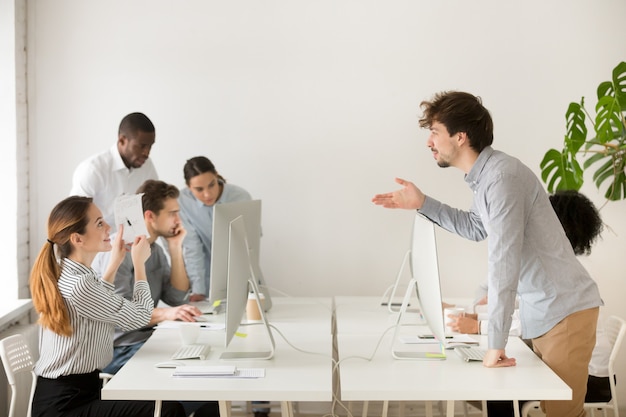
[171,324]
[217,370]
[128,212]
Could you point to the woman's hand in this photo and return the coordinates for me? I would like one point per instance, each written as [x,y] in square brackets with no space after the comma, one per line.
[140,252]
[118,249]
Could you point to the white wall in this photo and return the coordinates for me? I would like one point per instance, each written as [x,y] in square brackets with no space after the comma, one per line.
[313,107]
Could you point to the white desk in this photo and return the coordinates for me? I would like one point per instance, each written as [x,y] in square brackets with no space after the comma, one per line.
[387,379]
[290,376]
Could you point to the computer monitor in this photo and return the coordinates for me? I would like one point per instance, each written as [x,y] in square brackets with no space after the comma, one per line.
[426,284]
[241,280]
[223,215]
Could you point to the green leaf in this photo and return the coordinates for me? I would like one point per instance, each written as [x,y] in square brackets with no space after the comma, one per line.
[604,172]
[608,124]
[619,81]
[612,168]
[617,190]
[576,127]
[561,171]
[594,158]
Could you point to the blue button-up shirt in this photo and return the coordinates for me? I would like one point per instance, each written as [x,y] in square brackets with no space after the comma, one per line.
[198,220]
[529,253]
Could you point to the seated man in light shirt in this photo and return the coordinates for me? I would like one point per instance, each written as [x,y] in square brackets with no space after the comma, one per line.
[478,322]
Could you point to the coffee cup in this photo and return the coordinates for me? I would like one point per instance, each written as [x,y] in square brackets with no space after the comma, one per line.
[189,333]
[252,308]
[453,311]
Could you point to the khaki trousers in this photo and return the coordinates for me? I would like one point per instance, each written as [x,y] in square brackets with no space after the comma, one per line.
[566,349]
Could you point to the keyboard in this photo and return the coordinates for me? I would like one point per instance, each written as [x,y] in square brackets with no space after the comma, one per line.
[192,352]
[208,308]
[470,353]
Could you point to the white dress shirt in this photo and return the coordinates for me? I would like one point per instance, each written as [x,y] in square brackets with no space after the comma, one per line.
[104,177]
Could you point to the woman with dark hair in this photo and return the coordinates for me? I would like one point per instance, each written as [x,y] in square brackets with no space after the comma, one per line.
[205,188]
[78,312]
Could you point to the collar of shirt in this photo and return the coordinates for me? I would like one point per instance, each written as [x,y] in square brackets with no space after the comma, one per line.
[472,177]
[118,162]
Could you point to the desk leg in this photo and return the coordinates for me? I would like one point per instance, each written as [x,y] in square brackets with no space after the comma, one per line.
[286,409]
[225,408]
[516,408]
[450,408]
[365,407]
[401,408]
[157,408]
[428,408]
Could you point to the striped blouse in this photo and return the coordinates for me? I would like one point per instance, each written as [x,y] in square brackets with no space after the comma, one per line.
[94,311]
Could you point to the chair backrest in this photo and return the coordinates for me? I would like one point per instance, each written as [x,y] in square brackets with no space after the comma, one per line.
[18,364]
[615,329]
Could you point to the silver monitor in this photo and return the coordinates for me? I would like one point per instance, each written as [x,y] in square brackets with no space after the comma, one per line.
[240,281]
[425,281]
[223,215]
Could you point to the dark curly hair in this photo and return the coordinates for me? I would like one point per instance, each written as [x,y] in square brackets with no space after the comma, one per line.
[580,219]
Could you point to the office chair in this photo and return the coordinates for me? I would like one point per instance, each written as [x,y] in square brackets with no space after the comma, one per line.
[615,329]
[18,364]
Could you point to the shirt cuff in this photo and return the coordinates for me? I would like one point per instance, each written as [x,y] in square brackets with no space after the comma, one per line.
[483,327]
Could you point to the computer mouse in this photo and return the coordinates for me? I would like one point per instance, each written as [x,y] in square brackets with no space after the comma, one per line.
[169,364]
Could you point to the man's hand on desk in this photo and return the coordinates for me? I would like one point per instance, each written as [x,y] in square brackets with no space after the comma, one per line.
[496,358]
[185,312]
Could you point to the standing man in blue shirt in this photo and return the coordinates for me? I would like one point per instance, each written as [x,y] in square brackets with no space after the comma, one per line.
[528,251]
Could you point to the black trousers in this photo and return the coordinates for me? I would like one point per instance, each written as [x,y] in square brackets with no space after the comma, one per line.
[79,396]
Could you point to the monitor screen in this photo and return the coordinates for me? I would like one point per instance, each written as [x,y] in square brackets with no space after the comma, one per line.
[223,215]
[425,270]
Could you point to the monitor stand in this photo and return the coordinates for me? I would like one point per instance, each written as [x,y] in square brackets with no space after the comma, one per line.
[256,268]
[437,353]
[262,355]
[390,305]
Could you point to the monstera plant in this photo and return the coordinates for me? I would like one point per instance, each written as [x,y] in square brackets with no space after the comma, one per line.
[602,149]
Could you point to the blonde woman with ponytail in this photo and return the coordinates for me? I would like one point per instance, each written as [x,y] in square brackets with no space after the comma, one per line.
[78,312]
